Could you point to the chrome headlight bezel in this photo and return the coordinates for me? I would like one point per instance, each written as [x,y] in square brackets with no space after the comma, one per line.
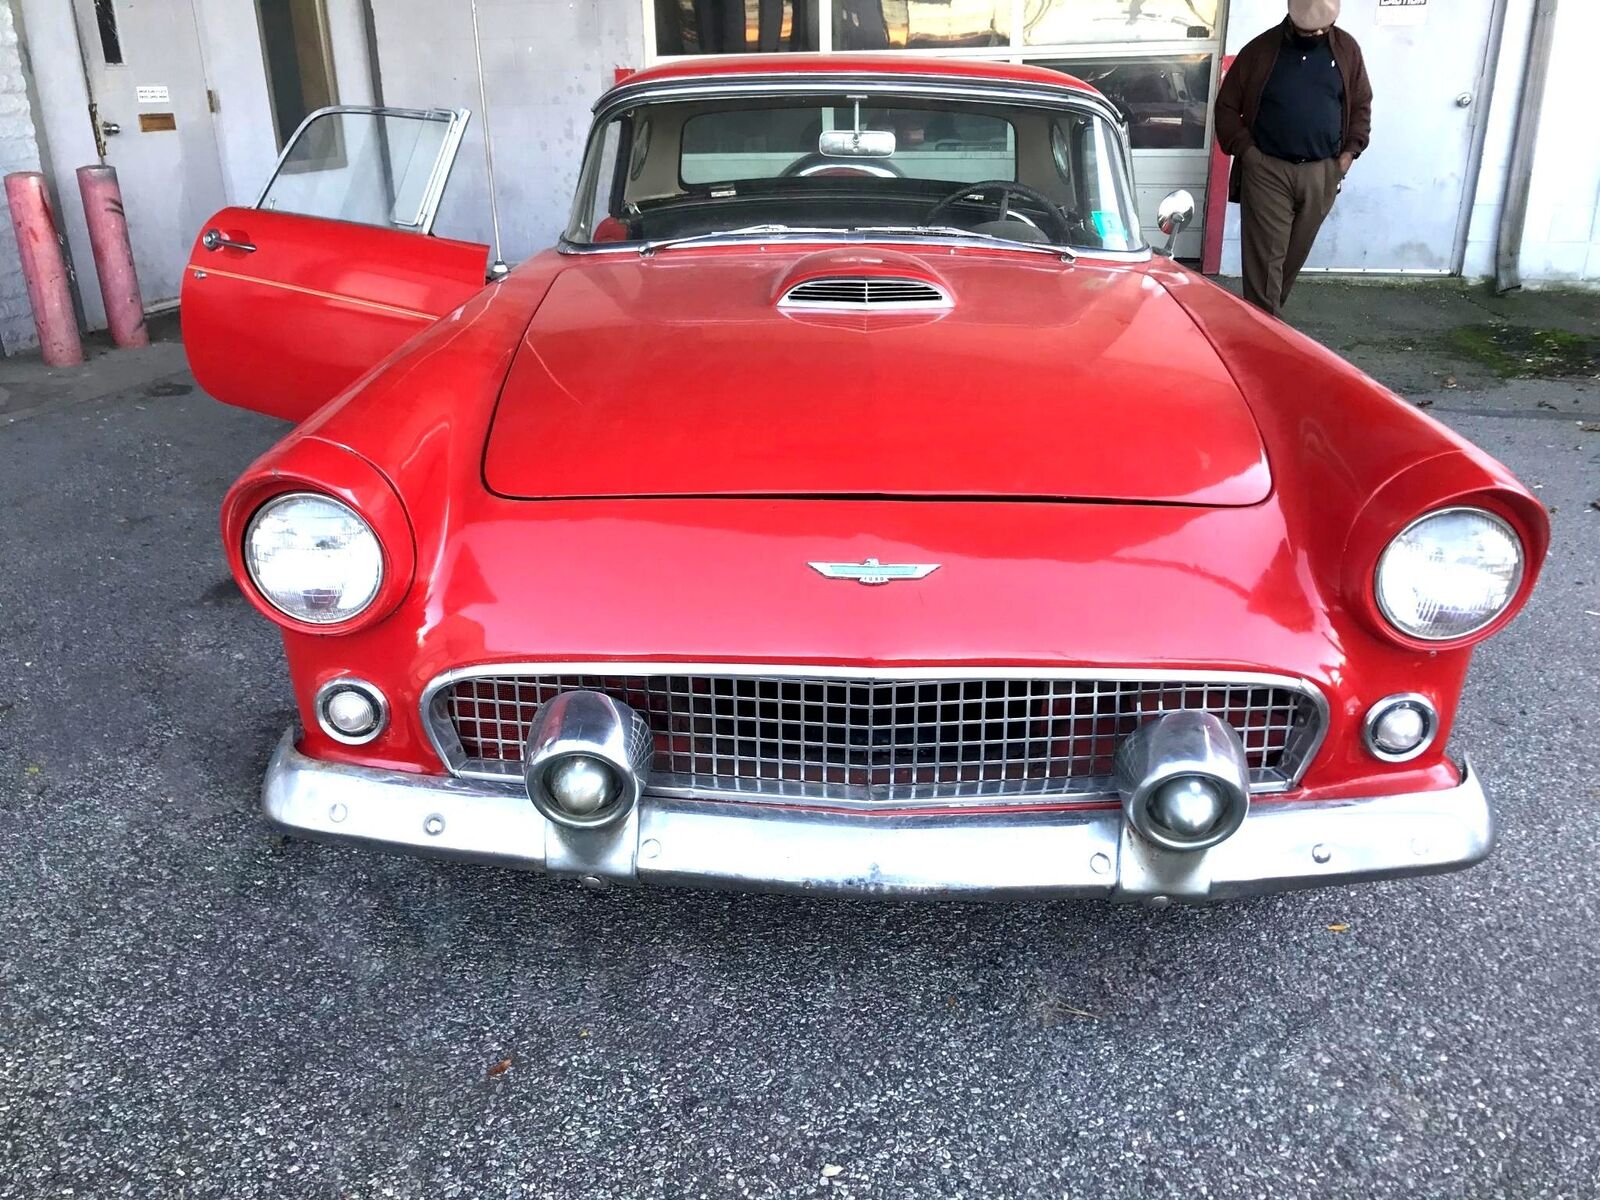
[1454,635]
[277,599]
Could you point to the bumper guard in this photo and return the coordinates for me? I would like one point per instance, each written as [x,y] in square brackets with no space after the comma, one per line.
[1282,845]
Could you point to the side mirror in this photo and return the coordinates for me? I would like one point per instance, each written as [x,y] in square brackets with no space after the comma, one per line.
[1173,216]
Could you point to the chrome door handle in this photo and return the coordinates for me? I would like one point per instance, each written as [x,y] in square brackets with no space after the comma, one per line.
[215,239]
[1464,100]
[110,128]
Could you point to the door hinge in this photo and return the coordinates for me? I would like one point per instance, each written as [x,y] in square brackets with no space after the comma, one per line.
[99,134]
[211,100]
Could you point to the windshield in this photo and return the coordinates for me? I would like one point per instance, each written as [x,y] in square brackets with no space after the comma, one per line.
[1051,176]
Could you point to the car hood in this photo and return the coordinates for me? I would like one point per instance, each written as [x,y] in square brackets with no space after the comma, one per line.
[681,374]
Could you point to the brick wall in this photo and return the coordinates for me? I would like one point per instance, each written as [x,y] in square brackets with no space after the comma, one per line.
[18,152]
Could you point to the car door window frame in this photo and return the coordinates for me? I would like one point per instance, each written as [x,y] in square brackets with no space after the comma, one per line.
[433,194]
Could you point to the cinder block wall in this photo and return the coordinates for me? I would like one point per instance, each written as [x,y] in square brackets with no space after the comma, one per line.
[19,151]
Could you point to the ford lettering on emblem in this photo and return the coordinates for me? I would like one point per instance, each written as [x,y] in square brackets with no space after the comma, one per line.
[873,571]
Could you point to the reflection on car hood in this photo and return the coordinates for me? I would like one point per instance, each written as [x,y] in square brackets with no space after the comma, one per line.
[682,375]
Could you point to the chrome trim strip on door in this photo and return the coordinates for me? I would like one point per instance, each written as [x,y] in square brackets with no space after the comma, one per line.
[444,163]
[442,735]
[353,301]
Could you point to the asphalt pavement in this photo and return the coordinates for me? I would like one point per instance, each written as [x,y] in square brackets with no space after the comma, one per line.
[189,1008]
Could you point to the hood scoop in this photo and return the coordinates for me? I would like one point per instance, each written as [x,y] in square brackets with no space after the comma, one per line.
[877,281]
[877,293]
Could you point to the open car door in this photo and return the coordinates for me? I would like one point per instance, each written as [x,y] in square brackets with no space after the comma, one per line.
[287,303]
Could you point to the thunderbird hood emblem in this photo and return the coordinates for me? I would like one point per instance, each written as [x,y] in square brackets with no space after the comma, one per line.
[873,571]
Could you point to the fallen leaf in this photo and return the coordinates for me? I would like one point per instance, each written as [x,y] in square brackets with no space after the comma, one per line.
[500,1068]
[1450,381]
[1546,404]
[1589,426]
[1338,927]
[1595,504]
[583,1033]
[35,770]
[829,1171]
[1423,402]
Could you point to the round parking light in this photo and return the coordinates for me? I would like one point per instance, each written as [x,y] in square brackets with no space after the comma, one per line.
[1399,728]
[351,711]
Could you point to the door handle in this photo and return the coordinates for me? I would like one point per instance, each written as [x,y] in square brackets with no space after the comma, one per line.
[109,129]
[1464,100]
[215,239]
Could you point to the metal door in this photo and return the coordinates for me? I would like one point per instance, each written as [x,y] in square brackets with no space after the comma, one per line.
[147,84]
[1403,205]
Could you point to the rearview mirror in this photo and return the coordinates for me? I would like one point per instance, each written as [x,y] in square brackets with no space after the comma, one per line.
[856,143]
[1173,216]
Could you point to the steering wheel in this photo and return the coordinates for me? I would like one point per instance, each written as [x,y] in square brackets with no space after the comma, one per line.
[809,166]
[1058,225]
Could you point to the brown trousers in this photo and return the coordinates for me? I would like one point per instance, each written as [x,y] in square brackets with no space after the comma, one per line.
[1282,206]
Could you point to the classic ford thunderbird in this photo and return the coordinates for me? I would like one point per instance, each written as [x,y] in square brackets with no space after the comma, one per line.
[853,501]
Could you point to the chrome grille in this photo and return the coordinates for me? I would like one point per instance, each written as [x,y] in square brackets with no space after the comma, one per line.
[882,741]
[864,291]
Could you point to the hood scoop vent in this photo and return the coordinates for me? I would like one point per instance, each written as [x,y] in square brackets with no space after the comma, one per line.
[875,293]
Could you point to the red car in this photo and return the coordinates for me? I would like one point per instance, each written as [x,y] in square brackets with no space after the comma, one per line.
[852,501]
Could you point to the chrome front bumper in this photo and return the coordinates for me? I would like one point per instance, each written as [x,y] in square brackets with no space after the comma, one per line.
[1281,846]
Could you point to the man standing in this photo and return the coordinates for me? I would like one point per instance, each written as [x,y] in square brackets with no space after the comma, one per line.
[1294,111]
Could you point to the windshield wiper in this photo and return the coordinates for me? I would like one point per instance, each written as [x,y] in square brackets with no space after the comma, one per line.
[1063,252]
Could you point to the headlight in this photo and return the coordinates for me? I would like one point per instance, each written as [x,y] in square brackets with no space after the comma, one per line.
[313,557]
[1449,574]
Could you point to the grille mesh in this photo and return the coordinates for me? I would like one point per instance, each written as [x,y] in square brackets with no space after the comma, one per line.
[874,742]
[864,291]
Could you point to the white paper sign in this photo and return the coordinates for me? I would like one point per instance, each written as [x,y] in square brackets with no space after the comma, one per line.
[153,95]
[1402,12]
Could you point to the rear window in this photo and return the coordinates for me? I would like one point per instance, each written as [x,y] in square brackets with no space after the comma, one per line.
[930,143]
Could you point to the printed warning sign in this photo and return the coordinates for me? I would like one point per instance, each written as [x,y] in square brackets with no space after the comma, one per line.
[1402,12]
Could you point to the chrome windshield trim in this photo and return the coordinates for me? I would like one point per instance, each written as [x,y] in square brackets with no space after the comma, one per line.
[848,238]
[867,82]
[442,734]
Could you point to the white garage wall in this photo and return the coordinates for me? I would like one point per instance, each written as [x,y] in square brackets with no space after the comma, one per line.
[1561,239]
[230,36]
[1561,242]
[546,61]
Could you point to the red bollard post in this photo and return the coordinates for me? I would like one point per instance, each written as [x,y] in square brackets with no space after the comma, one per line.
[113,255]
[44,266]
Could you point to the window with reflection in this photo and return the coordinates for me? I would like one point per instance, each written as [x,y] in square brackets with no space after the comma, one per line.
[952,144]
[735,26]
[1164,100]
[920,24]
[826,166]
[1056,22]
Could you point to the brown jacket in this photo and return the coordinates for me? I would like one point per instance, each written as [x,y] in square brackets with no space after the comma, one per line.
[1239,97]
